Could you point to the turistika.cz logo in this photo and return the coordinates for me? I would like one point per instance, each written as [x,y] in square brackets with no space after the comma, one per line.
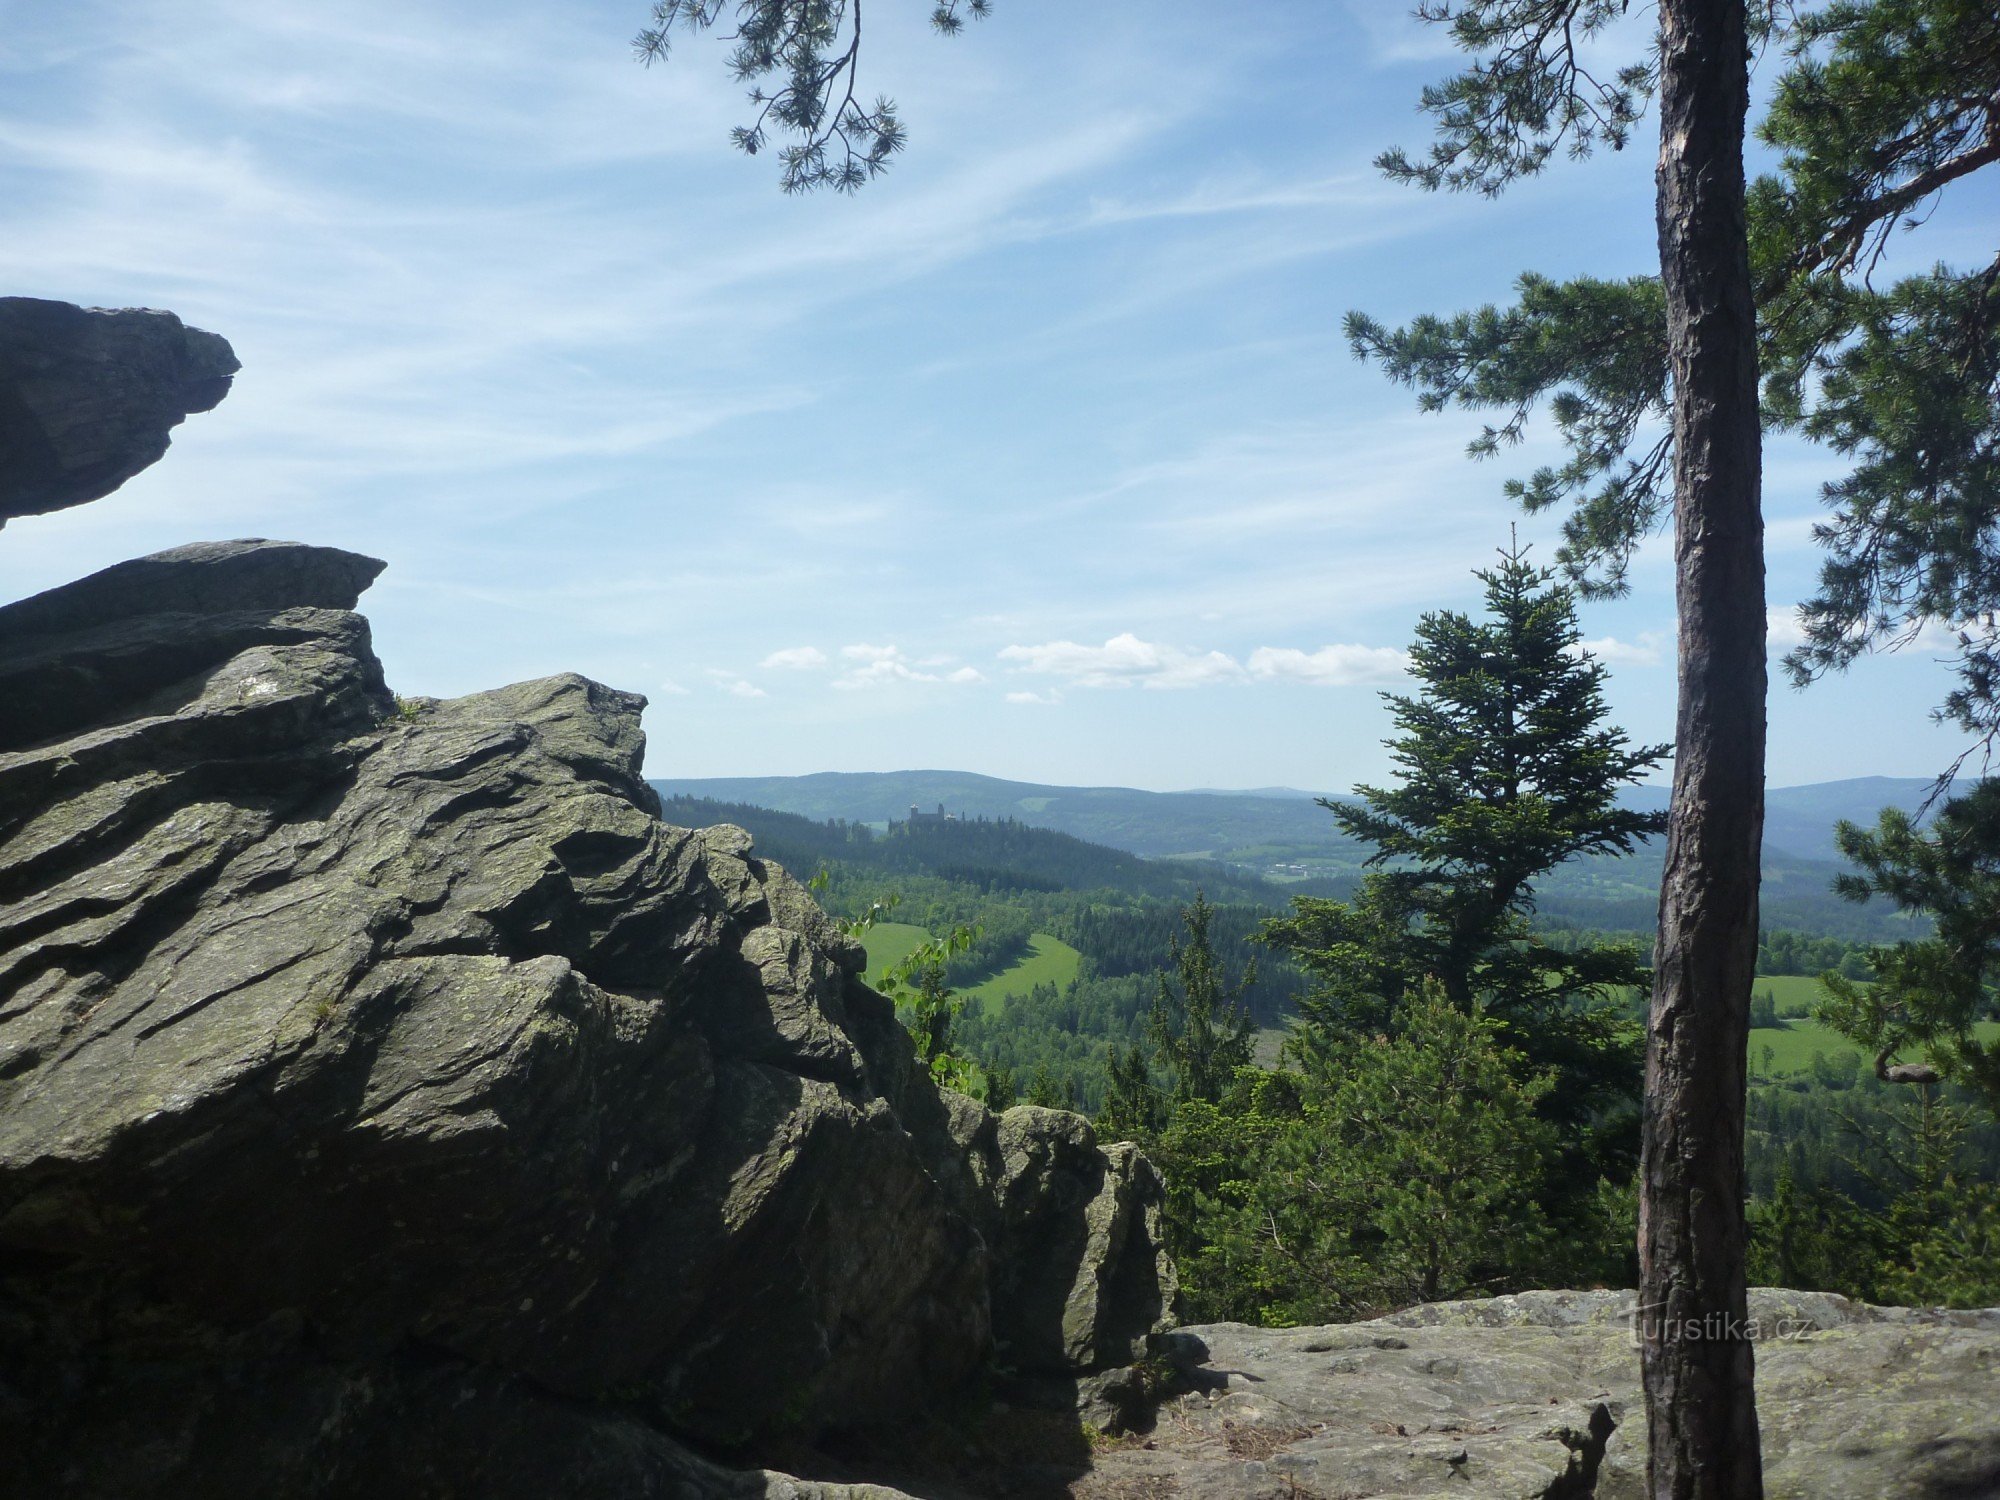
[1654,1320]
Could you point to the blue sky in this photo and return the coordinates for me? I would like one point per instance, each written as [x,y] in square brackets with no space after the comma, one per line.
[1042,456]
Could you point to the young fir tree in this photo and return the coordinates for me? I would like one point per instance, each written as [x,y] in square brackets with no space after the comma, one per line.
[1509,768]
[1201,1031]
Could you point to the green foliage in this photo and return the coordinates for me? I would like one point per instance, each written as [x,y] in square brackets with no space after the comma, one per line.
[1596,352]
[1931,993]
[1392,1170]
[813,49]
[1921,1227]
[1199,1029]
[1879,106]
[925,1002]
[1527,94]
[1798,953]
[1508,770]
[1133,1107]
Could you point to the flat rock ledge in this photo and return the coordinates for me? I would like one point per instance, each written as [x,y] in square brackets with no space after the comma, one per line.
[1537,1395]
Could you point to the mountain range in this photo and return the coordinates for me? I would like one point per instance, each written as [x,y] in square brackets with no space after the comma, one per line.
[1259,828]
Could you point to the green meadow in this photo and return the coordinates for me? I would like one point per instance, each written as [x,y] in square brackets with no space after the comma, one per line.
[888,944]
[1793,1045]
[1049,960]
[1795,994]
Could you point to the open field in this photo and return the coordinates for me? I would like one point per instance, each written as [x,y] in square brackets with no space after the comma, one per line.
[1795,994]
[1049,960]
[888,944]
[1793,1046]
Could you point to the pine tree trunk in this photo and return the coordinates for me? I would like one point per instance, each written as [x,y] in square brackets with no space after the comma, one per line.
[1700,1400]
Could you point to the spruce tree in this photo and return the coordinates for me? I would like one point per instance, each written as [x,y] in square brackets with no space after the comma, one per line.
[1509,767]
[1200,1029]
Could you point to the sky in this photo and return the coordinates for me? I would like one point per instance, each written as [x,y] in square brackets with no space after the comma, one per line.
[1042,456]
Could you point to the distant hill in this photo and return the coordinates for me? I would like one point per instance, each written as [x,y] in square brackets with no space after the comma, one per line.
[1231,826]
[1279,834]
[998,855]
[1156,825]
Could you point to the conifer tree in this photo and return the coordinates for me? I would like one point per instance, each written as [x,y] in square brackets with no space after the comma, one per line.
[1199,1027]
[1508,768]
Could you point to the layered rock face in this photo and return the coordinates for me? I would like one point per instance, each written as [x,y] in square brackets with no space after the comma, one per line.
[391,1104]
[87,397]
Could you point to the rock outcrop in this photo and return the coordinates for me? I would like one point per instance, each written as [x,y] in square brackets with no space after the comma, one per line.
[1537,1395]
[88,396]
[391,1104]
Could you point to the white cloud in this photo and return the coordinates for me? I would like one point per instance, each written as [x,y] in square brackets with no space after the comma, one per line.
[1648,650]
[737,687]
[865,652]
[795,658]
[1042,698]
[1127,661]
[890,669]
[1783,629]
[672,690]
[1330,666]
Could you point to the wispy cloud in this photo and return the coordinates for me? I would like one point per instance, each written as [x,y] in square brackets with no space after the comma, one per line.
[737,687]
[1127,661]
[795,658]
[882,666]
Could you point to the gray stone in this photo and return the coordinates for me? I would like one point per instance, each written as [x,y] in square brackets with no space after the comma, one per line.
[1537,1395]
[88,397]
[388,1070]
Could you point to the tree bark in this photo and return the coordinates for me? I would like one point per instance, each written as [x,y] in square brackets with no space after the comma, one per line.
[1701,1409]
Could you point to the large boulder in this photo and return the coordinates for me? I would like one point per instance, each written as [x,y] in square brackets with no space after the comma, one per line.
[382,1078]
[1081,1273]
[88,397]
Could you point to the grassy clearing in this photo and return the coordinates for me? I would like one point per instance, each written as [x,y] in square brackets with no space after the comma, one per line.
[1049,960]
[1795,994]
[888,944]
[1793,1046]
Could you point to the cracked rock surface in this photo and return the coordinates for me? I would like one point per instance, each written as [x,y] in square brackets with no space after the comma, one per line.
[389,1100]
[1537,1395]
